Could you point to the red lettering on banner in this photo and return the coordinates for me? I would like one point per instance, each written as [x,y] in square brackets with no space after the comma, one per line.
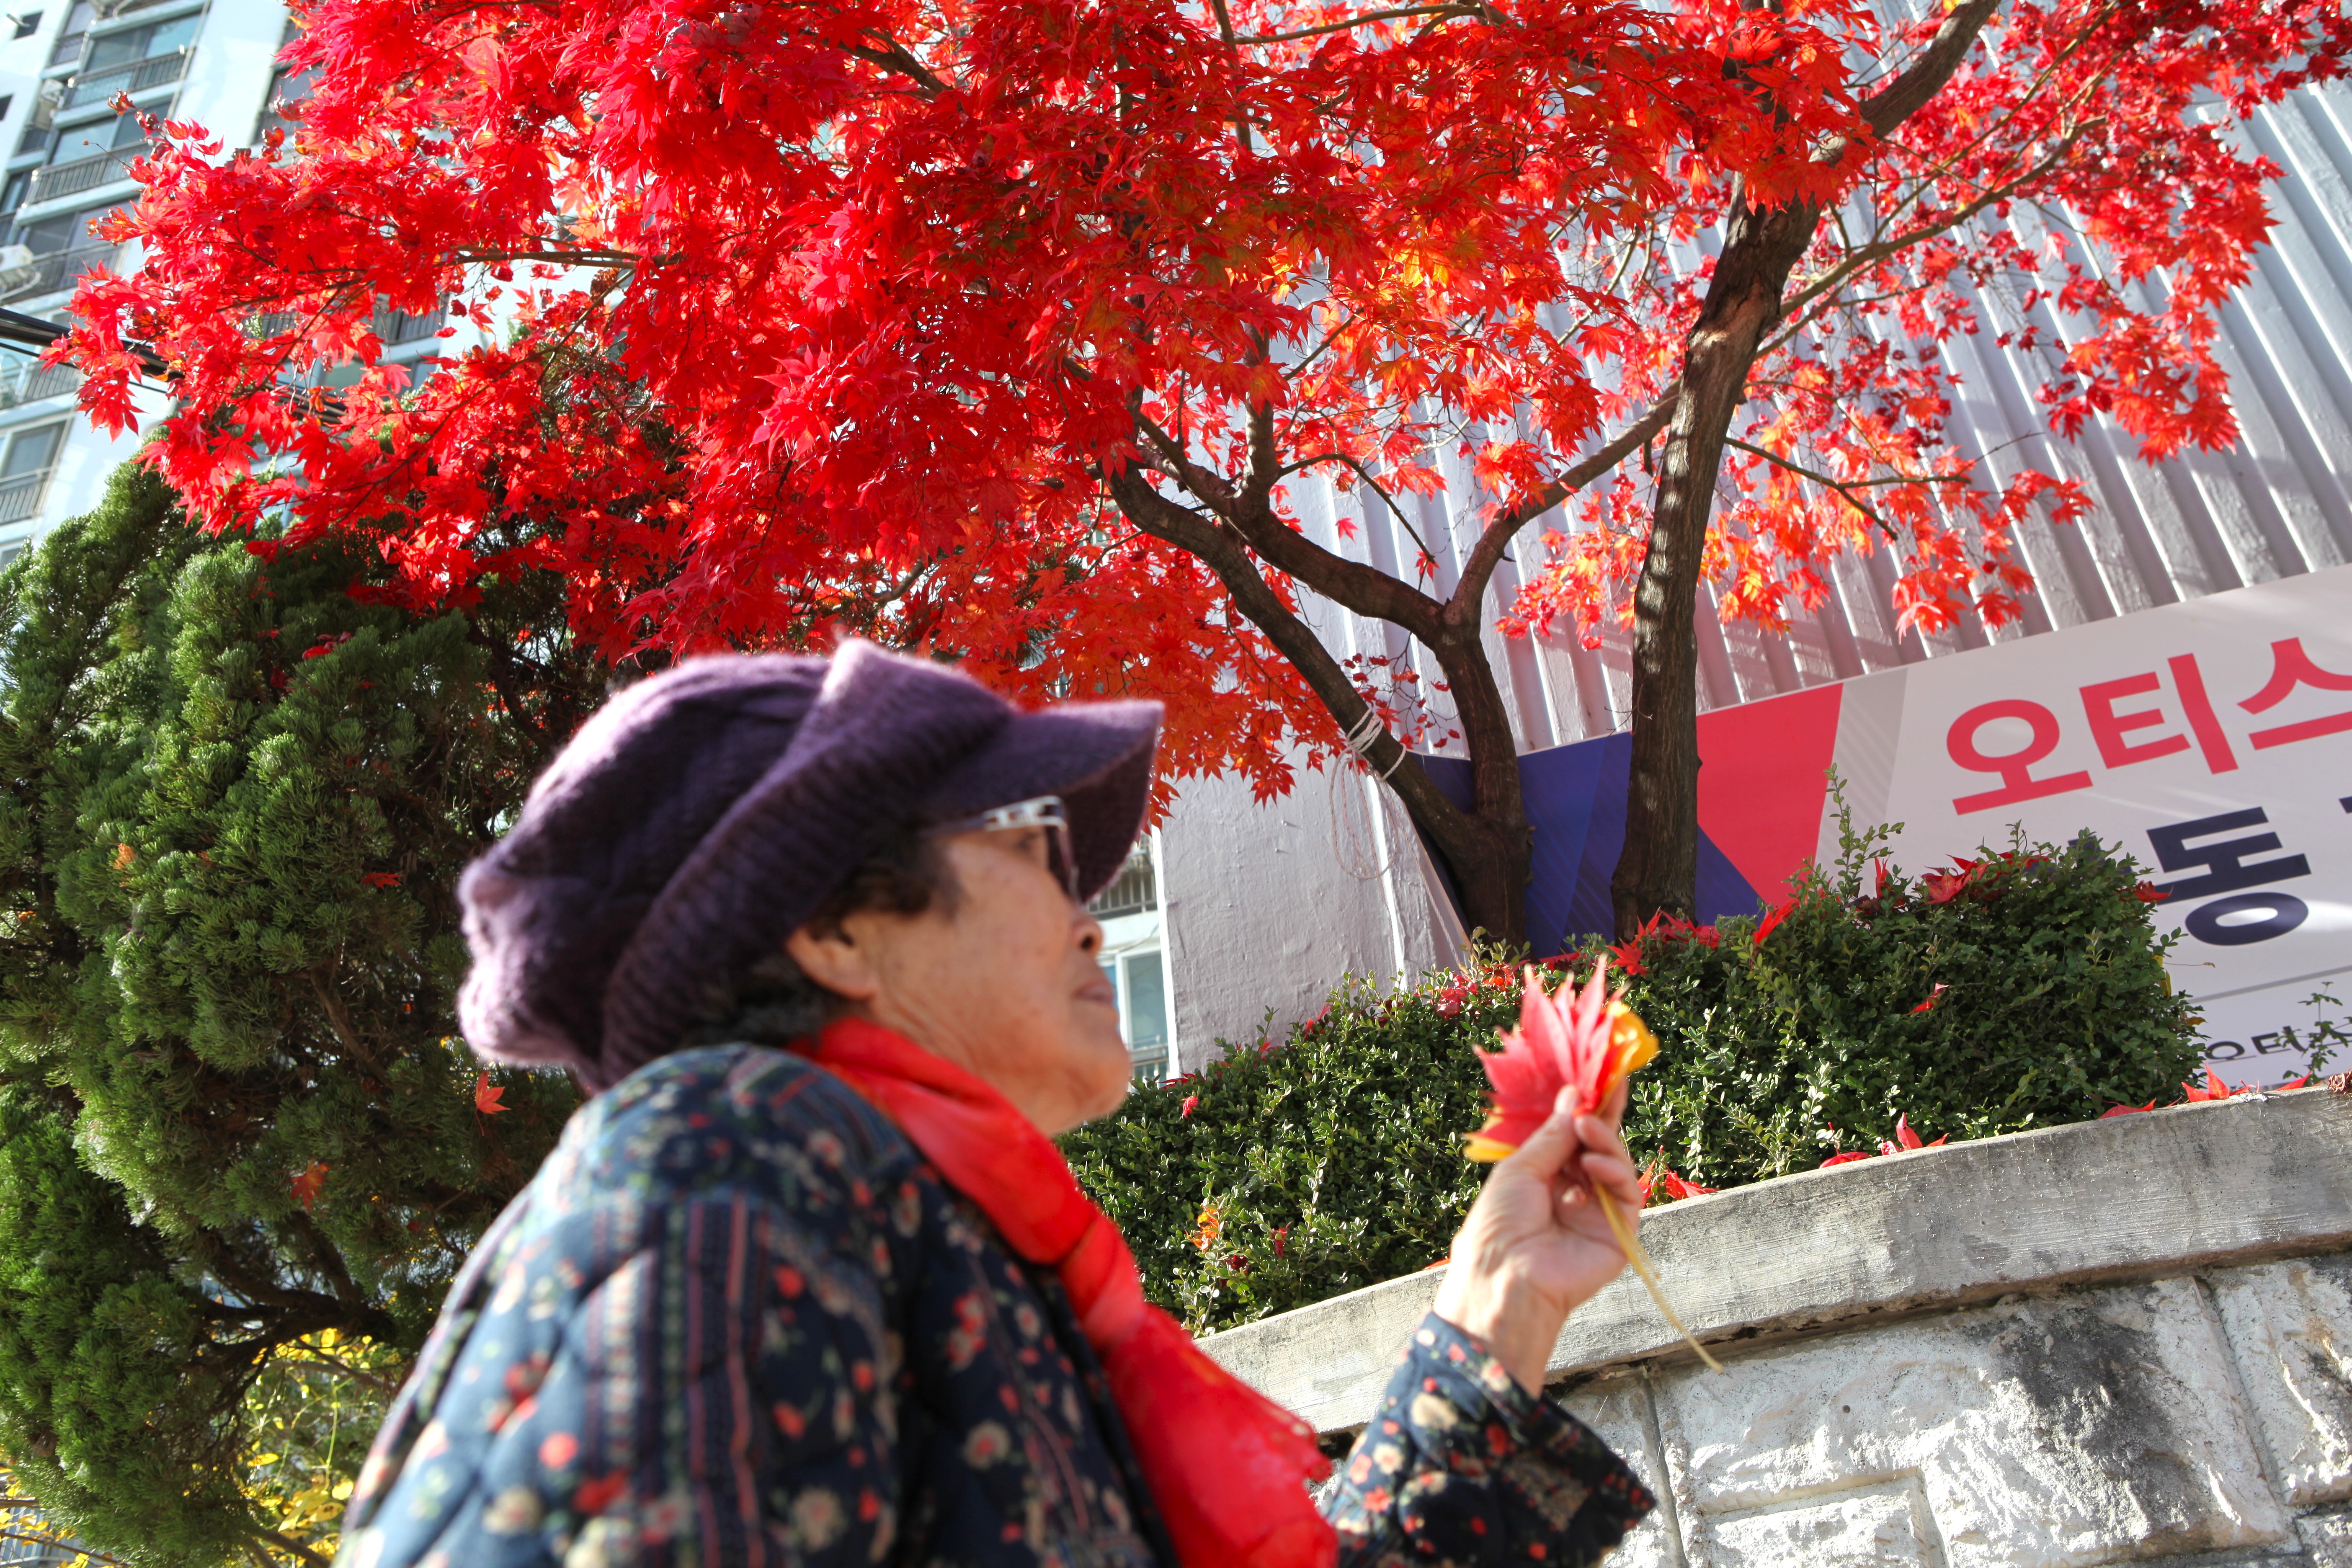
[2017,782]
[2202,723]
[2290,668]
[2108,726]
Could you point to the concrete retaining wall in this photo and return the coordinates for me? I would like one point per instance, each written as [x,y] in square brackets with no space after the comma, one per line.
[2121,1342]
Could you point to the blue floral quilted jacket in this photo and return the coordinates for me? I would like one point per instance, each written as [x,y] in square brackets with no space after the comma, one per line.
[737,1322]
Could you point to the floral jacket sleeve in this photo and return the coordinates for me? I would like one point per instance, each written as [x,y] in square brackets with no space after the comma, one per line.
[1462,1464]
[736,1322]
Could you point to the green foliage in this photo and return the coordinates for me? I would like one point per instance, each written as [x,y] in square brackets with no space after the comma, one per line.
[1330,1162]
[2024,988]
[1344,1141]
[238,786]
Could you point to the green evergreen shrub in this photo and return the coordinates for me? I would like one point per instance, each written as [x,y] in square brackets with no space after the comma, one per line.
[2022,988]
[1294,1171]
[236,789]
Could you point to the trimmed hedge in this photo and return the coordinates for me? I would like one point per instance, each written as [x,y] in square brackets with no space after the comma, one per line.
[2022,989]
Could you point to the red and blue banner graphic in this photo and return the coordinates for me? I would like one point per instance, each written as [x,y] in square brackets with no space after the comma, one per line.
[2210,739]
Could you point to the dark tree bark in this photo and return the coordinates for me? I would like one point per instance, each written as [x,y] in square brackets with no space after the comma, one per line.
[1231,528]
[1659,867]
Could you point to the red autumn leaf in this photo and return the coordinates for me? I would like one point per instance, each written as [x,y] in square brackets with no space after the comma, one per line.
[1628,955]
[1771,921]
[2121,1110]
[948,309]
[1904,1138]
[1943,887]
[308,1183]
[1191,1101]
[1678,1189]
[382,879]
[2215,1089]
[1845,1159]
[1586,1040]
[1932,997]
[2150,893]
[486,1095]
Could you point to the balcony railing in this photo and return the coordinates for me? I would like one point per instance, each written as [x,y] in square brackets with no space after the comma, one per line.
[391,327]
[47,274]
[72,179]
[97,87]
[20,498]
[28,381]
[1134,892]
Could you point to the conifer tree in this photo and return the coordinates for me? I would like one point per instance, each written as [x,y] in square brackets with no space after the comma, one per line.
[238,785]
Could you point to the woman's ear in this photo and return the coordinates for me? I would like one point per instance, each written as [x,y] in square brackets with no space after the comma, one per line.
[830,955]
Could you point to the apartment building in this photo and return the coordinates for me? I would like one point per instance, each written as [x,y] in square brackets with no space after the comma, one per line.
[63,64]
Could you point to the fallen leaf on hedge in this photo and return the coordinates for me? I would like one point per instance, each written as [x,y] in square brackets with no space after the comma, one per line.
[1932,996]
[2216,1088]
[1207,1225]
[486,1095]
[1587,1041]
[2120,1109]
[307,1185]
[1845,1159]
[1904,1138]
[1190,1100]
[1766,926]
[1677,1188]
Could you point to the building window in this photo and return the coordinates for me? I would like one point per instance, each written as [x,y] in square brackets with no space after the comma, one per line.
[1131,960]
[26,463]
[133,60]
[287,88]
[67,47]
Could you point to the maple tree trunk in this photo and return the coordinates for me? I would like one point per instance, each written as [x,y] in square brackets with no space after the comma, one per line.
[1487,849]
[1659,867]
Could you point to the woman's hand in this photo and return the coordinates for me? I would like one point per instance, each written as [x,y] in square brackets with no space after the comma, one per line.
[1536,1246]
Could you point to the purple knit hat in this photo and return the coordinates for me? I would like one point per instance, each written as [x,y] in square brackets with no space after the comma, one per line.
[703,813]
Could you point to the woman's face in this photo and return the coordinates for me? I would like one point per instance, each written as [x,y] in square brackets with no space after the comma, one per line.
[998,976]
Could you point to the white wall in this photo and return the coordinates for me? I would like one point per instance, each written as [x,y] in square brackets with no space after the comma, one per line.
[1266,907]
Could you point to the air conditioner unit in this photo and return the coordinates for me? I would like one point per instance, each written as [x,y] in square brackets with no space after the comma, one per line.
[18,269]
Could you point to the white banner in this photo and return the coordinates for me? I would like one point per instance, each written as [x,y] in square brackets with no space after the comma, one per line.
[2212,739]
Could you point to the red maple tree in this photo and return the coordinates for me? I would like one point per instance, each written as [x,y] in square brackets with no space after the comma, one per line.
[1010,329]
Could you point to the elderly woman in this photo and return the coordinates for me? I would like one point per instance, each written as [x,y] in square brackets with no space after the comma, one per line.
[805,1282]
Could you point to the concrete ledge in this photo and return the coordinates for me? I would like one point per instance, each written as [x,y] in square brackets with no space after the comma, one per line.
[2139,1197]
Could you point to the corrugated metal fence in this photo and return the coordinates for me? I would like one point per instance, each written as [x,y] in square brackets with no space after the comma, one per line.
[2277,504]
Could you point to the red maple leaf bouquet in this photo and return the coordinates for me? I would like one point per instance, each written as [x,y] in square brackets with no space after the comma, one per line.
[1588,1040]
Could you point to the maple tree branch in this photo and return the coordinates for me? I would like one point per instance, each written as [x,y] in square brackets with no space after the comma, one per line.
[1845,488]
[1487,553]
[1370,17]
[1926,77]
[475,255]
[1349,584]
[1220,547]
[1365,474]
[899,59]
[1882,250]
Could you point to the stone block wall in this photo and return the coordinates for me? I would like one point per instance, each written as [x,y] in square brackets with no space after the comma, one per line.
[2126,1342]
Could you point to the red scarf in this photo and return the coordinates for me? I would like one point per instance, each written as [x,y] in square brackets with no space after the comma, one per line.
[1227,1466]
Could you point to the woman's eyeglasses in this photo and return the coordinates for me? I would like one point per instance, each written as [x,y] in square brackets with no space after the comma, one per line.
[1044,811]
